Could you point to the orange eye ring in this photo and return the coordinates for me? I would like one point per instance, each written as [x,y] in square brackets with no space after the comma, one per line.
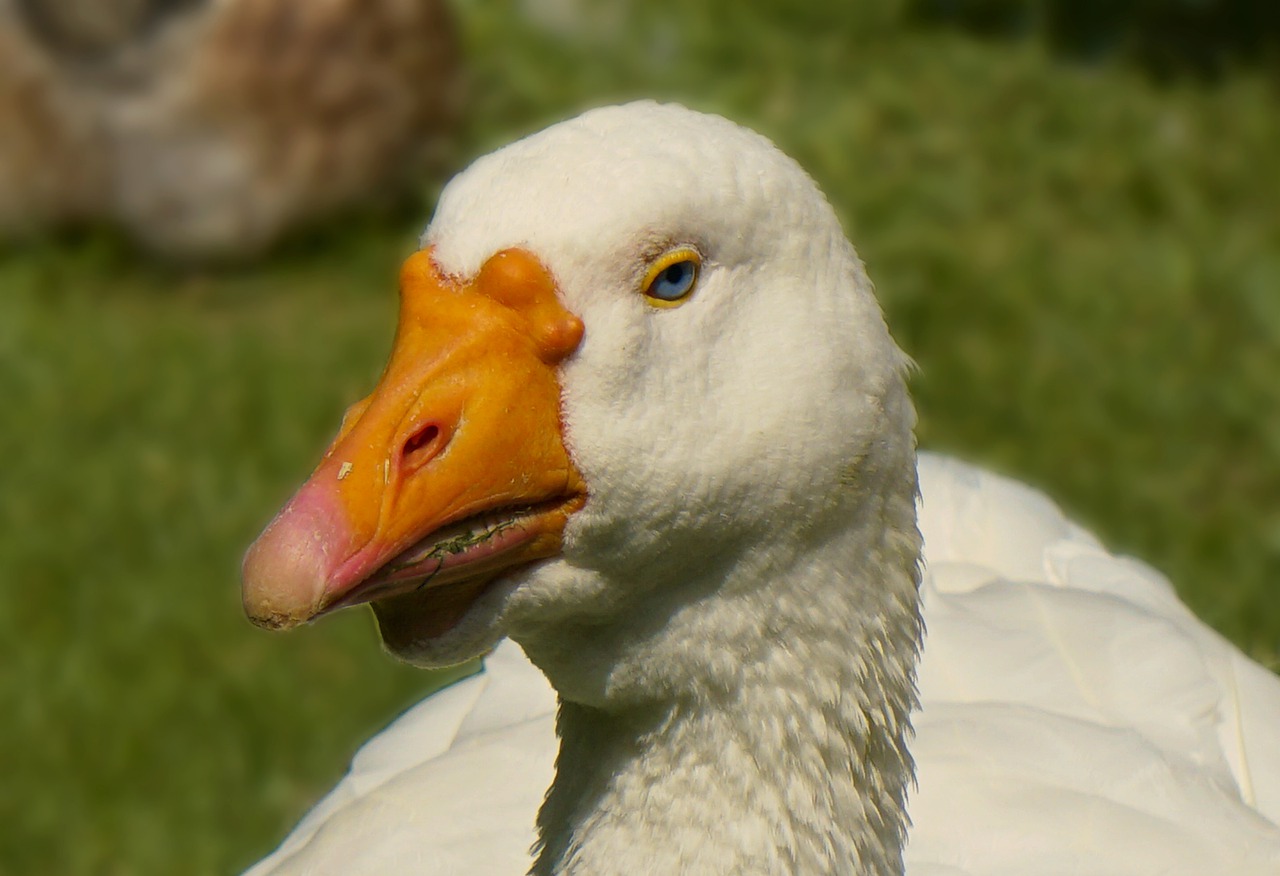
[672,277]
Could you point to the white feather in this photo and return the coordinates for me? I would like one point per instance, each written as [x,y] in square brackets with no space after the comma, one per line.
[1076,719]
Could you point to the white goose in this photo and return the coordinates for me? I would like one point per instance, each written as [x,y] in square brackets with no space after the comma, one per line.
[644,417]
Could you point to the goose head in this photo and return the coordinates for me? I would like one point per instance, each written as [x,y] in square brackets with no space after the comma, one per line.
[639,369]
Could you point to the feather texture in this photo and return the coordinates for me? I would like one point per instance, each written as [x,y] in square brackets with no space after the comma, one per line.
[1075,719]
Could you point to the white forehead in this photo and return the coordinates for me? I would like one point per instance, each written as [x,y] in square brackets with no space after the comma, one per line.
[614,177]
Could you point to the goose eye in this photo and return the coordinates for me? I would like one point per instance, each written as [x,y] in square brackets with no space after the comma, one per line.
[672,277]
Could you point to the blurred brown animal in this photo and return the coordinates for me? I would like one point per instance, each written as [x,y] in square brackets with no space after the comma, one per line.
[208,128]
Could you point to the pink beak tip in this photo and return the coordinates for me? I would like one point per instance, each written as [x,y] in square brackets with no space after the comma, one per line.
[286,570]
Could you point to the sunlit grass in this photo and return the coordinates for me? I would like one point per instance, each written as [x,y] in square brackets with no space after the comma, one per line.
[1086,267]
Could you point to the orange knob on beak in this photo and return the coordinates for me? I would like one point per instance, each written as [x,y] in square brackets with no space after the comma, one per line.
[453,470]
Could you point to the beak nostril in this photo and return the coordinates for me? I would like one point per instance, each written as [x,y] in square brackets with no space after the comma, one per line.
[424,436]
[421,446]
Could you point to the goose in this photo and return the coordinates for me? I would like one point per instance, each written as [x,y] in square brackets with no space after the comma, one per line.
[208,130]
[645,440]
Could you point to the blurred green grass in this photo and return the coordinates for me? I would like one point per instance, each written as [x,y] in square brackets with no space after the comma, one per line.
[1085,265]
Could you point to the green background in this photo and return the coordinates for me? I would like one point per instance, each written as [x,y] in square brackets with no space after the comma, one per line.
[1083,258]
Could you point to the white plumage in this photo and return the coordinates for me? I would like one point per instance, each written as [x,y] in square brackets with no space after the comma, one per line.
[1074,717]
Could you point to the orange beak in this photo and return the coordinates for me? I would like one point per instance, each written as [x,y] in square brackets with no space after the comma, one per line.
[452,472]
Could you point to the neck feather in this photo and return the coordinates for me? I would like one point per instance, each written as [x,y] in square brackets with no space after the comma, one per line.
[762,727]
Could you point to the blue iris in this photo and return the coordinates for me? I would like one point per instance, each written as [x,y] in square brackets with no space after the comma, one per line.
[674,282]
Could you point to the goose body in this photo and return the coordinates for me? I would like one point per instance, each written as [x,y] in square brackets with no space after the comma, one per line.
[210,129]
[1075,718]
[730,624]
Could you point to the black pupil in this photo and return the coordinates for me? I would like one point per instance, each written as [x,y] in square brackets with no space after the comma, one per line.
[677,272]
